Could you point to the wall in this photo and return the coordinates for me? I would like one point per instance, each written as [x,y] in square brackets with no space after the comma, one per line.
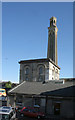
[27,102]
[34,71]
[50,71]
[53,72]
[49,107]
[66,107]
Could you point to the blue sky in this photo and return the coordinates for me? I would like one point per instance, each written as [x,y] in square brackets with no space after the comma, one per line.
[25,35]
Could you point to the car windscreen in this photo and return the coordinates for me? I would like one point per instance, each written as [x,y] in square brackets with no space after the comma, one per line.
[2,91]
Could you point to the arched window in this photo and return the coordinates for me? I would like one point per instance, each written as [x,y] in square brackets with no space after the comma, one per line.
[52,72]
[54,21]
[56,71]
[27,71]
[53,33]
[40,70]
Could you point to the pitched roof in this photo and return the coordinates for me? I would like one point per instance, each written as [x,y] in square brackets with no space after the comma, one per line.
[52,88]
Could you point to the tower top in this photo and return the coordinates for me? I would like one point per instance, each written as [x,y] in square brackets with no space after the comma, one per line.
[53,21]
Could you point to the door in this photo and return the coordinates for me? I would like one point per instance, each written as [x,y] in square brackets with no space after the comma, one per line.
[56,108]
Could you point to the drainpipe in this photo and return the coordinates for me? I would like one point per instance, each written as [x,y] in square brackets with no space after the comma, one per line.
[15,101]
[8,100]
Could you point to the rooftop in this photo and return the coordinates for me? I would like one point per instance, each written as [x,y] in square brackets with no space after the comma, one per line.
[51,88]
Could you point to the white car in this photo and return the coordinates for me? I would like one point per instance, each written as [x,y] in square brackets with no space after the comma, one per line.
[7,113]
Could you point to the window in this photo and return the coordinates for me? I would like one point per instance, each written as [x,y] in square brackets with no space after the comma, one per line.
[40,78]
[27,71]
[25,110]
[40,70]
[51,23]
[56,71]
[54,21]
[37,101]
[43,101]
[27,78]
[40,74]
[53,33]
[50,33]
[52,72]
[56,74]
[19,99]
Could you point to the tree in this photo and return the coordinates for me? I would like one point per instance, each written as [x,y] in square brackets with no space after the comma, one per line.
[8,84]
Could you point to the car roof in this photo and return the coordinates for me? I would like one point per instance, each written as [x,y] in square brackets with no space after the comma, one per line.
[5,110]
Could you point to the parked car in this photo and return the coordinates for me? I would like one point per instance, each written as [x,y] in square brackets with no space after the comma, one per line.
[7,113]
[31,112]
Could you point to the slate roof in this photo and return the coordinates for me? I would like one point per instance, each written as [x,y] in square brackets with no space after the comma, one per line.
[52,88]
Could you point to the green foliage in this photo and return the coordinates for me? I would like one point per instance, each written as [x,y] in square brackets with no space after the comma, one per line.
[8,84]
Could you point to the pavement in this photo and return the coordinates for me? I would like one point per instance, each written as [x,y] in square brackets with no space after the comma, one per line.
[27,118]
[47,118]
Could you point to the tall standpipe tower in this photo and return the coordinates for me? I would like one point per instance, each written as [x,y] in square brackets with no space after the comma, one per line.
[52,40]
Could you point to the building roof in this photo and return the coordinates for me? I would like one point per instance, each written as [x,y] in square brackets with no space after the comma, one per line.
[52,88]
[38,60]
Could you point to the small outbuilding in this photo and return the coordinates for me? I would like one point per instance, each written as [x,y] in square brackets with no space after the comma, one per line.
[55,98]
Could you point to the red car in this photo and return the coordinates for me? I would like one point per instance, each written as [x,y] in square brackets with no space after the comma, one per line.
[32,112]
